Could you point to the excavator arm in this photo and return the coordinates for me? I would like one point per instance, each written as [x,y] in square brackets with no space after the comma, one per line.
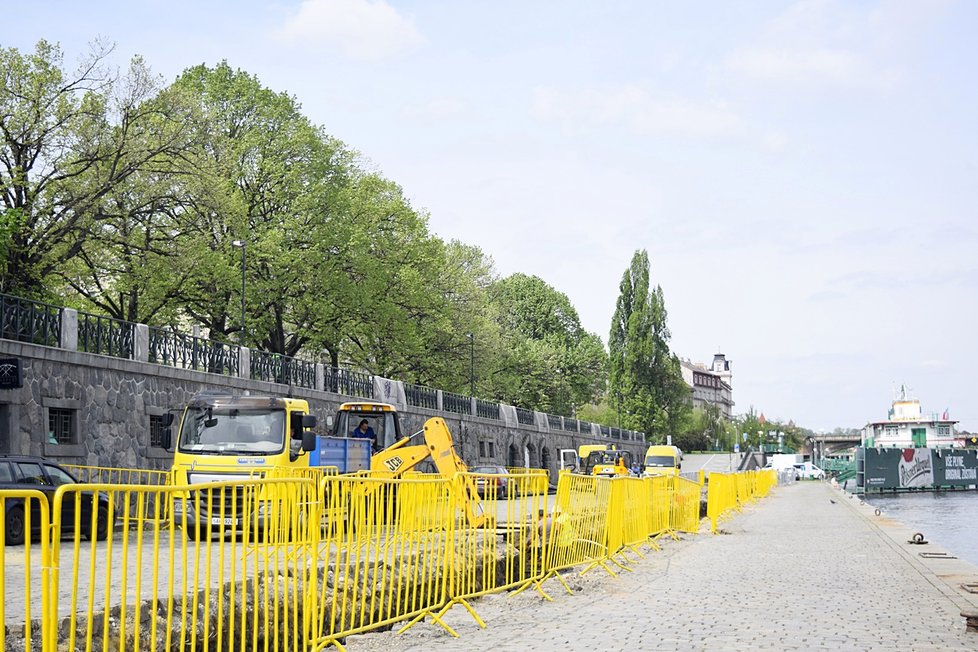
[400,457]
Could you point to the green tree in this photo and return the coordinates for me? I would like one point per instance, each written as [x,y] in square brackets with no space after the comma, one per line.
[69,140]
[268,178]
[644,373]
[549,362]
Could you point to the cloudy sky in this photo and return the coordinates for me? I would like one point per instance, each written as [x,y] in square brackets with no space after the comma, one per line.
[802,174]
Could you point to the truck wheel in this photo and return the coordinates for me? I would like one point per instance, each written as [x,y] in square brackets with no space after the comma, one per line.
[14,526]
[190,529]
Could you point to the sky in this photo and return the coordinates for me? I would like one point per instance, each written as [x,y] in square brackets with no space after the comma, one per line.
[802,174]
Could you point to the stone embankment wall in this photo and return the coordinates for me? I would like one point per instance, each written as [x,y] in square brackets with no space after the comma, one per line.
[113,399]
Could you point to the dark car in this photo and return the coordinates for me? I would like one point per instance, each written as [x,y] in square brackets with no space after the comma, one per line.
[499,480]
[27,472]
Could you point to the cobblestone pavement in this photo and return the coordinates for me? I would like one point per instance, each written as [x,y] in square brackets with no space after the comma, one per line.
[805,569]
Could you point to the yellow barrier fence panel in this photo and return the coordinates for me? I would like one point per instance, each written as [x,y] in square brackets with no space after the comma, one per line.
[234,570]
[660,490]
[577,526]
[721,497]
[117,476]
[632,500]
[685,509]
[25,602]
[384,553]
[507,550]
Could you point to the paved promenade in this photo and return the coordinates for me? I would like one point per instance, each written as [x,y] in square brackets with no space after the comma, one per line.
[795,571]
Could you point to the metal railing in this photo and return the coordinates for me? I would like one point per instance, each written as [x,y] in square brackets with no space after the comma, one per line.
[39,323]
[487,409]
[349,382]
[174,349]
[276,368]
[421,396]
[524,416]
[456,403]
[30,321]
[105,335]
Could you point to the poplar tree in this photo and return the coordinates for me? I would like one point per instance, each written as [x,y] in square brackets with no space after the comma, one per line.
[646,385]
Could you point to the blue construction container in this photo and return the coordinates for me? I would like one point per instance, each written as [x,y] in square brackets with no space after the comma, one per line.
[348,454]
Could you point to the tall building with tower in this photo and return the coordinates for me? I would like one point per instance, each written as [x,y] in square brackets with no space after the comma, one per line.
[710,384]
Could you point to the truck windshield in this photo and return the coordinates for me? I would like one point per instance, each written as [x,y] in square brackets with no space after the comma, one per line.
[660,460]
[233,431]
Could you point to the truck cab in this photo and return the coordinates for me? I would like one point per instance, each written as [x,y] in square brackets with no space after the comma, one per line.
[222,437]
[381,418]
[662,460]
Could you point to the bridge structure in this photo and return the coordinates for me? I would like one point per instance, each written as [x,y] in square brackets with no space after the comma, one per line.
[829,445]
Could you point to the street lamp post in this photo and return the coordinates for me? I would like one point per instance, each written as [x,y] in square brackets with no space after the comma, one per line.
[471,363]
[243,246]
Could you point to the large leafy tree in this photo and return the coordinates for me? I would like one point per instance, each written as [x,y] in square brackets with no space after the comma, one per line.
[549,362]
[70,142]
[270,176]
[645,377]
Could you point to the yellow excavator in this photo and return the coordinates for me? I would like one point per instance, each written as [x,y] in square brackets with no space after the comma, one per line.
[399,454]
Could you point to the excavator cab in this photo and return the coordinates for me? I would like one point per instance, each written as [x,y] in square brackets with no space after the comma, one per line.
[381,418]
[608,463]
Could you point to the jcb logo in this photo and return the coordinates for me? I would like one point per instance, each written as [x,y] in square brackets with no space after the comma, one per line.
[394,463]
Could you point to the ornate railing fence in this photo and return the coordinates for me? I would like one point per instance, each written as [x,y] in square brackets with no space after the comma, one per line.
[487,409]
[421,396]
[348,382]
[457,403]
[30,321]
[34,322]
[105,336]
[275,368]
[524,416]
[174,349]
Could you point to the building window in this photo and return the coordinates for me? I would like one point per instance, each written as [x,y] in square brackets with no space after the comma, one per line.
[61,426]
[487,448]
[156,430]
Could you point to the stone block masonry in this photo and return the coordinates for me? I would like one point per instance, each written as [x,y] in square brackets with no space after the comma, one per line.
[113,399]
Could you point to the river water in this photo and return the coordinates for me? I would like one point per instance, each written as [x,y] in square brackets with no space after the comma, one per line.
[948,519]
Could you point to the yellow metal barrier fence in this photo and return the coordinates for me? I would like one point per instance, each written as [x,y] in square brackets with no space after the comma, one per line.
[660,490]
[299,562]
[684,507]
[24,572]
[507,551]
[231,573]
[385,553]
[578,527]
[728,491]
[123,476]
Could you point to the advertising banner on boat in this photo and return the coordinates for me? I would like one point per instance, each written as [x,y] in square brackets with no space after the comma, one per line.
[908,468]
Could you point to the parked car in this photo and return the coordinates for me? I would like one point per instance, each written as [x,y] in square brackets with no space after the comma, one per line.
[28,472]
[498,480]
[808,471]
